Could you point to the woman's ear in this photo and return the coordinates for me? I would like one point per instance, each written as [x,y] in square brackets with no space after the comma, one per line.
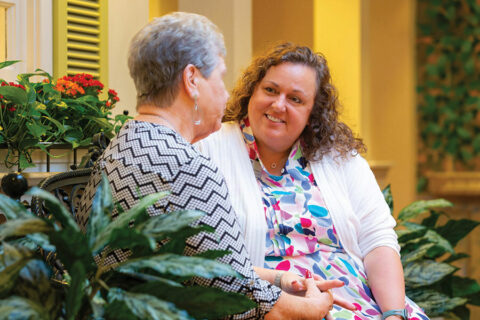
[190,80]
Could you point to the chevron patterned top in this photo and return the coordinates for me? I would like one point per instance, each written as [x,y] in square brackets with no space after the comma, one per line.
[145,158]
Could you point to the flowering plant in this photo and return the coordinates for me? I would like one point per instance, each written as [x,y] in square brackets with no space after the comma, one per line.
[35,115]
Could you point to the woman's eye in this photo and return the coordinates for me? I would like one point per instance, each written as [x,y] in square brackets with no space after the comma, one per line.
[296,99]
[269,89]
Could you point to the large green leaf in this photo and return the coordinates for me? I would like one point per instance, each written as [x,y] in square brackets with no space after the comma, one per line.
[455,230]
[102,206]
[71,247]
[60,127]
[20,308]
[143,306]
[8,63]
[14,94]
[417,254]
[24,162]
[462,287]
[411,232]
[180,266]
[104,123]
[435,303]
[387,194]
[455,257]
[13,209]
[73,136]
[425,272]
[129,238]
[176,242]
[439,241]
[9,275]
[145,277]
[125,218]
[55,207]
[431,221]
[159,226]
[21,227]
[202,302]
[34,284]
[418,207]
[75,292]
[213,254]
[36,129]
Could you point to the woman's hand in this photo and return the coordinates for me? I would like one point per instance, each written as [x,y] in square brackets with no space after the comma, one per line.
[314,305]
[296,285]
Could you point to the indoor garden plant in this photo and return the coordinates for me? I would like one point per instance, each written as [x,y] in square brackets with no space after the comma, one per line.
[40,114]
[149,285]
[427,249]
[448,92]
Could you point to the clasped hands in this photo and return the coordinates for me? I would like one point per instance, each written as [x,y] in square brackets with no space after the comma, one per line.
[315,287]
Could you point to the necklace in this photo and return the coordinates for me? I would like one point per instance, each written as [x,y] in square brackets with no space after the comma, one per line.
[170,125]
[273,165]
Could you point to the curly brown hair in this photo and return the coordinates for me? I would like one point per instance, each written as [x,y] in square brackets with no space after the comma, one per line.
[324,132]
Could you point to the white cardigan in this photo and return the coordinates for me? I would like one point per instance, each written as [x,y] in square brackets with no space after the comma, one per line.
[359,212]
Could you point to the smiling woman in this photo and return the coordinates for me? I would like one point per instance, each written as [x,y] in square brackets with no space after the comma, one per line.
[306,199]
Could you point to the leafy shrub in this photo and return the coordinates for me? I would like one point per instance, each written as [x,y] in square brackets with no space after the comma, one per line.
[149,285]
[427,250]
[36,115]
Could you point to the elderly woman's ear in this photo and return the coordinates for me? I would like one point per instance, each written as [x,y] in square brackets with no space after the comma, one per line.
[190,80]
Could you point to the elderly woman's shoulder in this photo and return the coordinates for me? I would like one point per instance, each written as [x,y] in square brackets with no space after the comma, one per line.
[152,147]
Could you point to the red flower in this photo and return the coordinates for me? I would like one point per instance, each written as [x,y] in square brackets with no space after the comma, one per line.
[116,99]
[11,109]
[12,84]
[108,104]
[112,92]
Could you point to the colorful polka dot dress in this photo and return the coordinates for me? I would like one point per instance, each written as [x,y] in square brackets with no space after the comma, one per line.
[301,235]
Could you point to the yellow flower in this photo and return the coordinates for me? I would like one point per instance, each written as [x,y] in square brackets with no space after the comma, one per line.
[62,104]
[41,106]
[1,128]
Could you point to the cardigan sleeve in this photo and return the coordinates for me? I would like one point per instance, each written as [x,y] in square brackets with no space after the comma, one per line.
[368,203]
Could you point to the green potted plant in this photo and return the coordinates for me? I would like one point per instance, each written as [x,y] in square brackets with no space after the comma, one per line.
[149,285]
[38,115]
[427,249]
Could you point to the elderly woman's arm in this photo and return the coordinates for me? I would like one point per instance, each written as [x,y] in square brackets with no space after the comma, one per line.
[385,278]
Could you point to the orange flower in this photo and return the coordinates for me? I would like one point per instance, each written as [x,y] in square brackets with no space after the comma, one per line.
[68,87]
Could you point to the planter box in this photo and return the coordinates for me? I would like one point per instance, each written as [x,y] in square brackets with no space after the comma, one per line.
[453,183]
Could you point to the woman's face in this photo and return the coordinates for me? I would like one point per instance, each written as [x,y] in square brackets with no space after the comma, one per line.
[212,98]
[281,104]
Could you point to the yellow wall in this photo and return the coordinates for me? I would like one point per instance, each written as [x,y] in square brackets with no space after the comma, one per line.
[369,46]
[389,88]
[337,34]
[158,8]
[124,21]
[279,20]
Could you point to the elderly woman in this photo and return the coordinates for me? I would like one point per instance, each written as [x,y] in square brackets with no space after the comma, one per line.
[177,64]
[305,198]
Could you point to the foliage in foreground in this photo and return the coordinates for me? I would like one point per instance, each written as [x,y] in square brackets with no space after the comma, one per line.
[149,285]
[427,249]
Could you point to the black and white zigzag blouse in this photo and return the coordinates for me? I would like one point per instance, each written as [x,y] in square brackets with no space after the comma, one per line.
[145,158]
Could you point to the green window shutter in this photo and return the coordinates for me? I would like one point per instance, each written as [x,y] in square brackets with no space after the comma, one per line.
[80,38]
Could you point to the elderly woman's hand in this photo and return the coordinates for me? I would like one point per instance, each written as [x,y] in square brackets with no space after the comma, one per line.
[296,285]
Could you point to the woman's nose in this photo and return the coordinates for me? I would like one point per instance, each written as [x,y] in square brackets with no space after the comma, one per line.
[279,103]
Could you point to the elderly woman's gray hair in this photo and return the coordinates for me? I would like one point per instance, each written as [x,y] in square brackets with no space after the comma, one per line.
[162,49]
